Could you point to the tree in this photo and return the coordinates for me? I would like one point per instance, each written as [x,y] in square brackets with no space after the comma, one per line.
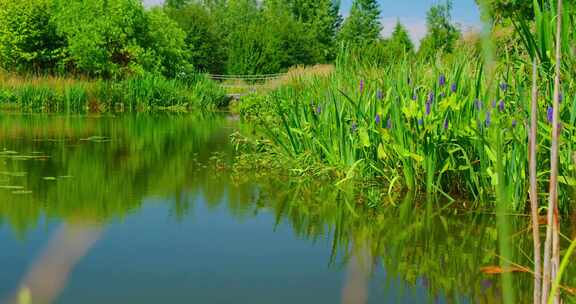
[165,45]
[28,37]
[363,25]
[205,48]
[104,36]
[322,18]
[400,44]
[442,34]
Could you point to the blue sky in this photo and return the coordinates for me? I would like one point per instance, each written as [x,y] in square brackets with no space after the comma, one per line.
[412,13]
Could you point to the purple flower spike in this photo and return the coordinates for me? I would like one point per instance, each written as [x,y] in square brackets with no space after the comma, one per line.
[454,88]
[442,80]
[488,119]
[504,86]
[430,98]
[377,119]
[414,96]
[427,108]
[446,123]
[501,106]
[420,121]
[478,104]
[380,94]
[361,86]
[514,123]
[318,110]
[354,127]
[550,114]
[389,123]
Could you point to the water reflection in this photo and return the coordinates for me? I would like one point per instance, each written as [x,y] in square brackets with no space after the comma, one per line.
[259,238]
[49,274]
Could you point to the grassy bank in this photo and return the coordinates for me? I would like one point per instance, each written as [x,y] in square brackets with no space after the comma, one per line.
[444,128]
[148,93]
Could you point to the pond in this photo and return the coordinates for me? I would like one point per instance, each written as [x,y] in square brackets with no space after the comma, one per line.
[146,208]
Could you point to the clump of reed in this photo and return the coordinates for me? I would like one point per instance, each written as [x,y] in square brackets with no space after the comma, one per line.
[147,93]
[438,128]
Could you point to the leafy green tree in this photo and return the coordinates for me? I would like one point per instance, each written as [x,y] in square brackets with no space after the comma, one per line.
[103,35]
[322,18]
[165,45]
[442,33]
[176,3]
[400,44]
[205,48]
[287,42]
[241,21]
[28,37]
[363,24]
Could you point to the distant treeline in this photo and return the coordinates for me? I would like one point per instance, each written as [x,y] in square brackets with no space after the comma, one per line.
[120,38]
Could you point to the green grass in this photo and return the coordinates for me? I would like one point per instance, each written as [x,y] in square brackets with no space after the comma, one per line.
[149,93]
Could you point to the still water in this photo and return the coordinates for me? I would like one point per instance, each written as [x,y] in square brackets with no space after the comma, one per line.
[147,209]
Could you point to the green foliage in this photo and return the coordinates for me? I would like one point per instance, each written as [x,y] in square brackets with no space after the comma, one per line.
[28,37]
[109,44]
[166,45]
[363,24]
[204,46]
[443,129]
[400,44]
[146,93]
[322,19]
[442,34]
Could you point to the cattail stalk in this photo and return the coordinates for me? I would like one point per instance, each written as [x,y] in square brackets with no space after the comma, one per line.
[533,183]
[552,245]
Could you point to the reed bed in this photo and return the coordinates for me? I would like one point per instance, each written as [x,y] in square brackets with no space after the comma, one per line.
[147,93]
[436,128]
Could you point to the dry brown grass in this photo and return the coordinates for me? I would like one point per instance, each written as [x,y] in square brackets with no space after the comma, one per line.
[293,76]
[13,80]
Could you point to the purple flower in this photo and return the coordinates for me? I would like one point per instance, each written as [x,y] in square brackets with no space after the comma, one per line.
[414,96]
[454,88]
[446,123]
[486,284]
[354,127]
[442,80]
[488,120]
[380,94]
[425,282]
[427,108]
[478,104]
[420,121]
[361,86]
[550,114]
[514,123]
[501,105]
[503,86]
[377,119]
[493,104]
[318,110]
[430,98]
[389,123]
